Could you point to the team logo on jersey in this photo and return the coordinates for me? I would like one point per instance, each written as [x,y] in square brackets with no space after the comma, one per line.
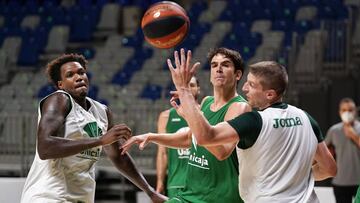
[199,161]
[175,119]
[92,154]
[92,129]
[183,153]
[286,122]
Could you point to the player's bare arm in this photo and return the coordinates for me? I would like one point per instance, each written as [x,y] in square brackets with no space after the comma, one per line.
[124,163]
[50,143]
[161,157]
[178,140]
[325,165]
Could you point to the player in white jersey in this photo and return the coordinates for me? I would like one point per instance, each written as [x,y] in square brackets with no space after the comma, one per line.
[72,129]
[280,147]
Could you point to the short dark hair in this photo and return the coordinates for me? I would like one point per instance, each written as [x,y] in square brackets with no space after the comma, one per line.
[54,66]
[274,75]
[233,55]
[346,100]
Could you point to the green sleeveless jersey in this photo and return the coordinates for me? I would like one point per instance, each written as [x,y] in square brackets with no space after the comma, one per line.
[208,179]
[177,158]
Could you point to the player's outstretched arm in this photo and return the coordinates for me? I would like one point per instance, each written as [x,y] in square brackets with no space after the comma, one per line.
[180,139]
[52,145]
[325,165]
[125,164]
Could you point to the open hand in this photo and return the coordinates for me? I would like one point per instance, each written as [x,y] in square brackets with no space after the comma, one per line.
[141,140]
[181,75]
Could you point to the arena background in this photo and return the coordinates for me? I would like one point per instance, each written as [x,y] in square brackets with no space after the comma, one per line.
[317,40]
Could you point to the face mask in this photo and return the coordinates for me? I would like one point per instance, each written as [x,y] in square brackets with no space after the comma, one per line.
[347,117]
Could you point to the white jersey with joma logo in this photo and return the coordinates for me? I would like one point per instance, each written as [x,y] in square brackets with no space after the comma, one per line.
[276,166]
[69,179]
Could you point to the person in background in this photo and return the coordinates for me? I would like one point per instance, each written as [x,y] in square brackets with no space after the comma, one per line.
[345,138]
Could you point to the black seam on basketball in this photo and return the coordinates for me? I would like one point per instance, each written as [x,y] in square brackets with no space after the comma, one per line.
[163,26]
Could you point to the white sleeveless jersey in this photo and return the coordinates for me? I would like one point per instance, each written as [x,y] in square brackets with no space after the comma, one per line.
[277,167]
[69,179]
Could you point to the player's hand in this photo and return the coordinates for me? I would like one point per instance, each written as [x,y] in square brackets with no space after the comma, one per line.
[181,75]
[158,198]
[117,132]
[141,140]
[173,102]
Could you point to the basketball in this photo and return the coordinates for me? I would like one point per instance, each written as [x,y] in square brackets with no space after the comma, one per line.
[165,24]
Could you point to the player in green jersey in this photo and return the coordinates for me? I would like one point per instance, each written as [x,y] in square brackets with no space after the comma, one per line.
[173,161]
[211,170]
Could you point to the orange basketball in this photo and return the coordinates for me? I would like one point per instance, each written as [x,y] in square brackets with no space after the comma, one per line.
[165,24]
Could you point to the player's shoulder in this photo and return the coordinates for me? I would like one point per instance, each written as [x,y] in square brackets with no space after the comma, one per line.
[240,106]
[237,108]
[165,114]
[205,99]
[58,97]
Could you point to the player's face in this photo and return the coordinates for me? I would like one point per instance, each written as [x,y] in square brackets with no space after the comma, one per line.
[223,72]
[255,93]
[195,89]
[74,79]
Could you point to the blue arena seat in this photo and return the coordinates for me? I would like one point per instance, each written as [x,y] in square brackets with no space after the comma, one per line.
[152,92]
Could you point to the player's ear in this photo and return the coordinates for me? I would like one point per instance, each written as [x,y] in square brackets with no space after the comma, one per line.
[271,94]
[238,74]
[59,84]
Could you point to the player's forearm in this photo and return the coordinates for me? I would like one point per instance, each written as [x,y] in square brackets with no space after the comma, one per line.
[176,140]
[200,127]
[56,147]
[126,166]
[161,166]
[319,172]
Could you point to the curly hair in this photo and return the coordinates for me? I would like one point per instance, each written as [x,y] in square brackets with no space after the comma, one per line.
[53,67]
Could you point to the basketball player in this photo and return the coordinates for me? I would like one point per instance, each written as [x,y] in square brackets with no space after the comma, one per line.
[174,161]
[211,170]
[277,143]
[72,130]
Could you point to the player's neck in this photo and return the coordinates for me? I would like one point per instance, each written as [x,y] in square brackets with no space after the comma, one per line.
[223,96]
